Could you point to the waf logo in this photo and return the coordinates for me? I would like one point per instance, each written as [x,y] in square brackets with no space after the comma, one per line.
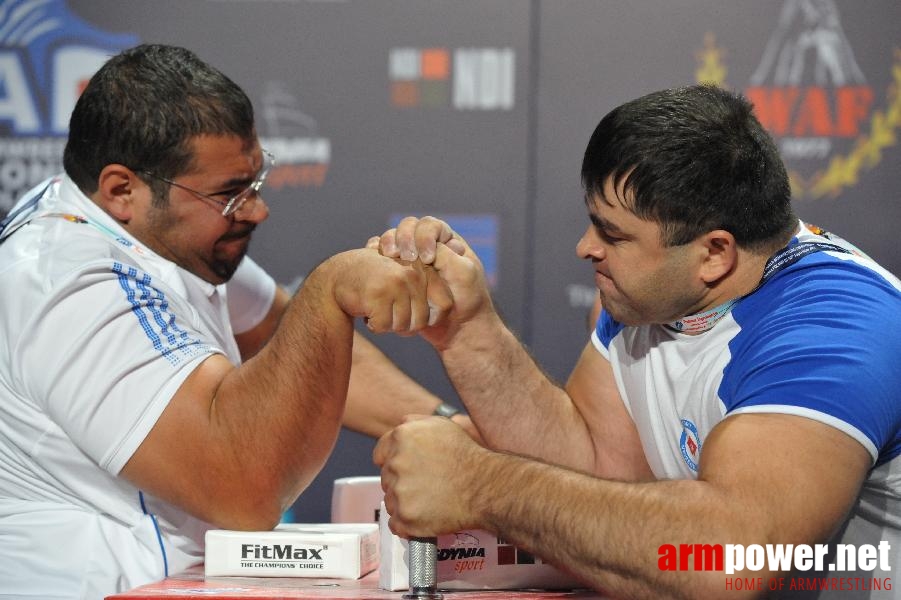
[302,154]
[809,91]
[47,56]
[464,78]
[690,444]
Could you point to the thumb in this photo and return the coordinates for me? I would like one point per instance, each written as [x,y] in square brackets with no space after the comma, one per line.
[380,452]
[457,245]
[439,296]
[446,258]
[454,267]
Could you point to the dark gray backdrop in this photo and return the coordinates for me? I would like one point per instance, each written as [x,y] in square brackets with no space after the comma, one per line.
[322,75]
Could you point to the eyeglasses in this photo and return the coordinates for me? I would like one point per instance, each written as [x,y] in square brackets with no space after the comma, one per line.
[234,203]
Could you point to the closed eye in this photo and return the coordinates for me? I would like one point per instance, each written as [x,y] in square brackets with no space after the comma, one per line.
[604,231]
[607,237]
[229,193]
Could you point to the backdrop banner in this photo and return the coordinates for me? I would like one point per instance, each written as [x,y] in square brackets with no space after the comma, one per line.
[478,112]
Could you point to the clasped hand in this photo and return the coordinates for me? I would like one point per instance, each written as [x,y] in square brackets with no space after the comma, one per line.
[431,244]
[390,295]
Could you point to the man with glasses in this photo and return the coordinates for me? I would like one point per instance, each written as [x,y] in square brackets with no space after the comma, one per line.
[230,204]
[154,380]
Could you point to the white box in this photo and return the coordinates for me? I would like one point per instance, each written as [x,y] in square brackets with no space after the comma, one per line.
[341,551]
[357,499]
[470,560]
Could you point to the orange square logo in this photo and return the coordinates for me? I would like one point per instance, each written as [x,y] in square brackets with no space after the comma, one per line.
[435,63]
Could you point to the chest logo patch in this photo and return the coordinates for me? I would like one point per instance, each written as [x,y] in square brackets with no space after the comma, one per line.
[690,444]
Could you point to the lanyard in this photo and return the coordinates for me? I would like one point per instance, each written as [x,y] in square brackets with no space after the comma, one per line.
[74,219]
[781,260]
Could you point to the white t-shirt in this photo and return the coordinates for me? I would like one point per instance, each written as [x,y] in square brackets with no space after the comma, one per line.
[98,332]
[820,339]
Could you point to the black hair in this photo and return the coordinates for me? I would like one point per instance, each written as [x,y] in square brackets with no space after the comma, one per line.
[142,109]
[695,159]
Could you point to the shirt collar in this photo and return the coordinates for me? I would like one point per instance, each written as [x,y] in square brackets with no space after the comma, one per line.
[75,200]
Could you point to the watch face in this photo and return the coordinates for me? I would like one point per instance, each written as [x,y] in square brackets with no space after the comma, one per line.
[445,410]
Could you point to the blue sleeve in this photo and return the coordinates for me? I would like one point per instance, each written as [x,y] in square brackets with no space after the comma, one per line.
[824,343]
[606,328]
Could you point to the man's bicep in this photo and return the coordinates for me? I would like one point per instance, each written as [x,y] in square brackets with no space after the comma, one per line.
[182,444]
[796,478]
[618,450]
[104,355]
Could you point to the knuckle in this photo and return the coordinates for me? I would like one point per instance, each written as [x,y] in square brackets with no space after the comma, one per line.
[407,223]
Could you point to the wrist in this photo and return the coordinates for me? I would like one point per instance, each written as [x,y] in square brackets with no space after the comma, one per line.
[340,275]
[479,334]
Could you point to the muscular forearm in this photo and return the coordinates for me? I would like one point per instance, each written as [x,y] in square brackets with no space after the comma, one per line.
[291,395]
[381,395]
[236,445]
[606,532]
[515,405]
[609,533]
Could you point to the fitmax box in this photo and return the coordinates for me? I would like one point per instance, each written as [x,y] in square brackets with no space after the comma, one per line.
[330,550]
[470,560]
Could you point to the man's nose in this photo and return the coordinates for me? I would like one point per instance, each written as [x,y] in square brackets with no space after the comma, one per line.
[589,245]
[254,210]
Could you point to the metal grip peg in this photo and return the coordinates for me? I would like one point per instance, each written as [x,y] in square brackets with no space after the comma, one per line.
[423,553]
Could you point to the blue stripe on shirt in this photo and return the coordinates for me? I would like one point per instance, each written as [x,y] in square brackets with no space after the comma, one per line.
[150,307]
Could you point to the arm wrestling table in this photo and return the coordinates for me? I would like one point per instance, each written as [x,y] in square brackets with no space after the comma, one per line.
[192,584]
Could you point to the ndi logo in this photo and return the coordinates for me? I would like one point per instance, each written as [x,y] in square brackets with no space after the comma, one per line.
[465,78]
[47,55]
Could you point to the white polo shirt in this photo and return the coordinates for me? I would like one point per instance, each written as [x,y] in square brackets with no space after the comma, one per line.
[96,334]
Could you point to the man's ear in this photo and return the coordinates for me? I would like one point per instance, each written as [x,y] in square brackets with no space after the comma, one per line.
[118,189]
[720,255]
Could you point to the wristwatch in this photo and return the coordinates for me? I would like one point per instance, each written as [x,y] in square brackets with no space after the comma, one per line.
[445,410]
